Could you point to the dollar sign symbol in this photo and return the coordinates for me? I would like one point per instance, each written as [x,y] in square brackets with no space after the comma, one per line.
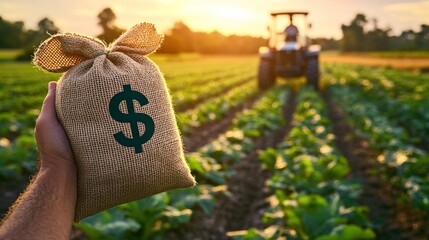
[129,95]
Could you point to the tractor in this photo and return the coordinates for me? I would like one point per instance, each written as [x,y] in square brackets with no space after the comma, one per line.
[288,56]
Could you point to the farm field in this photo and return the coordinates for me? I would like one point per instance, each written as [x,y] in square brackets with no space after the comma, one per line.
[348,162]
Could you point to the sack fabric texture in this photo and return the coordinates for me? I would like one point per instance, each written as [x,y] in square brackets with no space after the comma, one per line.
[117,113]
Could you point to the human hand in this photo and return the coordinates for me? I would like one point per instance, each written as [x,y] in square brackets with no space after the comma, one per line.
[52,142]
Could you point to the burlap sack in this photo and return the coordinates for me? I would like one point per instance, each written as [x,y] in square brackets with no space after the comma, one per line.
[117,113]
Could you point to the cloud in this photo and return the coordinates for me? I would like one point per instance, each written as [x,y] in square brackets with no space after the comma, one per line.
[408,12]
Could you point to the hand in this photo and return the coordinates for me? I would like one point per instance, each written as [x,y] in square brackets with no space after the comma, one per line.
[52,142]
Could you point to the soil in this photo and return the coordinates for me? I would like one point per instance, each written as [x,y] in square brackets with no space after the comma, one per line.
[10,191]
[244,205]
[398,63]
[391,218]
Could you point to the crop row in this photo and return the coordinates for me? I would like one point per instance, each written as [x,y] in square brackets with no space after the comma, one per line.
[390,110]
[405,165]
[211,165]
[215,108]
[201,68]
[197,94]
[311,197]
[202,78]
[402,95]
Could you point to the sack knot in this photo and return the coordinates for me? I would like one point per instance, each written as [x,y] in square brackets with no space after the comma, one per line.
[100,53]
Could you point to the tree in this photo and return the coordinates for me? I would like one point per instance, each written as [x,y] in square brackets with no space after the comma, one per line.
[405,41]
[354,34]
[12,34]
[106,20]
[180,38]
[377,39]
[327,43]
[46,25]
[422,37]
[357,38]
[33,38]
[183,36]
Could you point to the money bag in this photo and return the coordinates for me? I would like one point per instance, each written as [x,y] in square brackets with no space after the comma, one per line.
[116,110]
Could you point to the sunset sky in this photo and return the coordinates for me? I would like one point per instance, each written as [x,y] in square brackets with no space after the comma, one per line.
[227,16]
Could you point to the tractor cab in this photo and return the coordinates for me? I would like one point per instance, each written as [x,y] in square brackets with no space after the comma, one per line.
[289,53]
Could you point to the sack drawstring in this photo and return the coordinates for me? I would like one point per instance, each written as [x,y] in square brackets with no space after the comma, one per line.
[100,53]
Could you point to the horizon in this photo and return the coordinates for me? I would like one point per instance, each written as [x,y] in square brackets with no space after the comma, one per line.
[239,17]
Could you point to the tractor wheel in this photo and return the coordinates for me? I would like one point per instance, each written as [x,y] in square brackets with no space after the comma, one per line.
[266,76]
[312,73]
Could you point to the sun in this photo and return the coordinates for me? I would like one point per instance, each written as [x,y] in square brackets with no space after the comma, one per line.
[228,18]
[225,11]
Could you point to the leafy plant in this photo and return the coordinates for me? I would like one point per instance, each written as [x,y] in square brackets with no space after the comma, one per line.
[312,199]
[379,108]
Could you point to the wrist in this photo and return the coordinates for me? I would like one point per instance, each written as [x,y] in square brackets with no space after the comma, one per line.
[58,174]
[62,188]
[58,167]
[63,181]
[58,177]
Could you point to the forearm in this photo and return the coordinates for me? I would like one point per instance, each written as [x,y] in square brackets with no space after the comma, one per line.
[45,210]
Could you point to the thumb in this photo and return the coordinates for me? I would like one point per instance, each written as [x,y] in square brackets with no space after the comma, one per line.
[48,108]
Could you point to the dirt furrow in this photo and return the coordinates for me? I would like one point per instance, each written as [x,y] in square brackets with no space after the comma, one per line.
[244,205]
[398,63]
[392,220]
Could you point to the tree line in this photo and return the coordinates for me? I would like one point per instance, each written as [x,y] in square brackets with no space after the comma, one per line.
[357,36]
[180,38]
[14,35]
